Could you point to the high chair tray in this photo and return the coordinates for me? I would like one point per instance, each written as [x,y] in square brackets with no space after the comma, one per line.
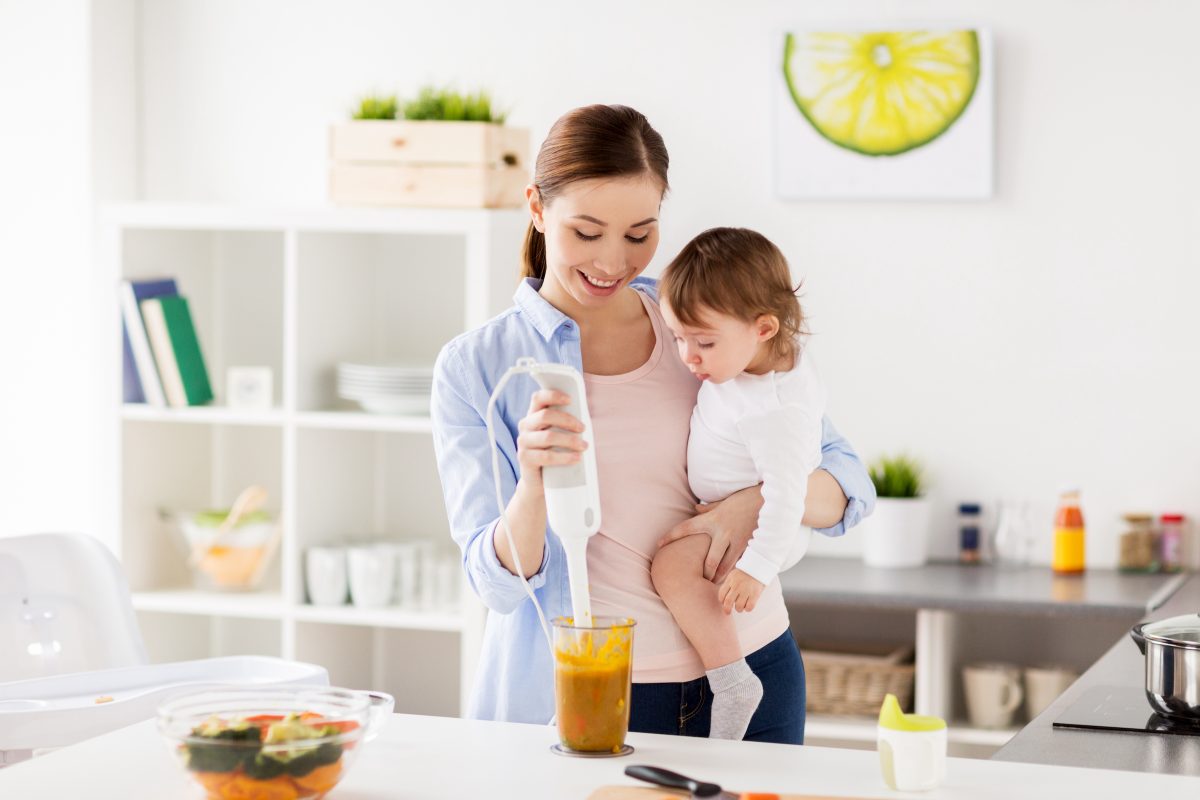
[64,709]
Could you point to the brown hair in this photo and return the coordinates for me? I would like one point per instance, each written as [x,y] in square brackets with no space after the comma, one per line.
[738,272]
[591,142]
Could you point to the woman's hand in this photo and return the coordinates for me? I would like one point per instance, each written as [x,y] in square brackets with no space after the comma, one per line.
[537,441]
[729,523]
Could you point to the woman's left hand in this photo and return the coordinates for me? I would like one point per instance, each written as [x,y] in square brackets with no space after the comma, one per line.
[729,523]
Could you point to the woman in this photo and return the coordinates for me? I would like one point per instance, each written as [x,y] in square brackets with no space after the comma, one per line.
[594,205]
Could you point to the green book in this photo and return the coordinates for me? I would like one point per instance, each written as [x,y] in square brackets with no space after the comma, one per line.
[177,351]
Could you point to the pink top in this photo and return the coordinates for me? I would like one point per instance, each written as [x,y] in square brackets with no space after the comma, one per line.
[641,421]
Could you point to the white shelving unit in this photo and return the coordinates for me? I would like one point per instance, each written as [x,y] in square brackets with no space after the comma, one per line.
[298,291]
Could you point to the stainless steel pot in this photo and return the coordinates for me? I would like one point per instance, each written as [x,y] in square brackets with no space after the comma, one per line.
[1172,651]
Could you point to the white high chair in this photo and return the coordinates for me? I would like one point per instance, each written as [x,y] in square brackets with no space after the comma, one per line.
[64,607]
[72,662]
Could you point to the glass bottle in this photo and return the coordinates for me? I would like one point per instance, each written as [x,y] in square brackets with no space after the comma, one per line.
[970,534]
[1069,535]
[1171,543]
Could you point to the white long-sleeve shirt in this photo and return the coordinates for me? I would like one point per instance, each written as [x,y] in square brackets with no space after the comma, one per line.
[761,429]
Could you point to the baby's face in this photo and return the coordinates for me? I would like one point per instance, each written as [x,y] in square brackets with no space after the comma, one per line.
[719,349]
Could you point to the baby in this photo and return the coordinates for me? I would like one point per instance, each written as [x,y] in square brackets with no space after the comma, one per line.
[729,300]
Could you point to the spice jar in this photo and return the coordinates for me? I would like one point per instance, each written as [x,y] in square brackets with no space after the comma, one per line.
[1171,545]
[970,544]
[1139,550]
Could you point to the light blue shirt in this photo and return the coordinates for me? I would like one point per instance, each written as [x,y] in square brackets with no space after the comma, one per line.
[515,677]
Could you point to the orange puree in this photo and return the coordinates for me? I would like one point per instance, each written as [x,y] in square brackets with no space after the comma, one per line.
[592,686]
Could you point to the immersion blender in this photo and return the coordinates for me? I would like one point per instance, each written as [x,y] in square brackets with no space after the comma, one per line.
[572,490]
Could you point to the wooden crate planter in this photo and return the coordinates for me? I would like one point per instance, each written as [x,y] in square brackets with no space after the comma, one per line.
[419,163]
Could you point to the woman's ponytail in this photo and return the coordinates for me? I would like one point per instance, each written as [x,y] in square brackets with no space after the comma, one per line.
[533,256]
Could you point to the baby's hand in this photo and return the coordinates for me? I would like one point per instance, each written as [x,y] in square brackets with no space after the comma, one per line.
[739,592]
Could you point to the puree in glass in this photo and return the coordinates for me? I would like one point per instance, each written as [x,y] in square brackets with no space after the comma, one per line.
[592,683]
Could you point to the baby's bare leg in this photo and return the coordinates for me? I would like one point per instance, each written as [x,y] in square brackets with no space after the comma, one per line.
[678,574]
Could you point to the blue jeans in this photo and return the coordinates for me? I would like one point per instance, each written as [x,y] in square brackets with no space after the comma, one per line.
[685,709]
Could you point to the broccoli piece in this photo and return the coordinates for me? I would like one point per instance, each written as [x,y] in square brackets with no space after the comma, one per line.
[263,767]
[328,753]
[215,758]
[234,747]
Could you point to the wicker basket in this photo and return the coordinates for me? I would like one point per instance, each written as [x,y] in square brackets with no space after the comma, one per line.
[852,679]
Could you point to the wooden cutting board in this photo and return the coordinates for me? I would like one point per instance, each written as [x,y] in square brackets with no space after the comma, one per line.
[645,793]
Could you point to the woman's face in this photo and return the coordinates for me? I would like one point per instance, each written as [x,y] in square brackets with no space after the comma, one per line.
[600,235]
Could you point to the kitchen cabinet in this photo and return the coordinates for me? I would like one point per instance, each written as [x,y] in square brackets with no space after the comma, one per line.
[297,290]
[955,614]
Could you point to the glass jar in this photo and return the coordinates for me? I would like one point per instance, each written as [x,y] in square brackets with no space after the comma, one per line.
[1138,546]
[1171,545]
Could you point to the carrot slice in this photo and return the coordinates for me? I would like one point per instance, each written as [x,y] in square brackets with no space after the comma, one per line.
[213,781]
[243,787]
[321,779]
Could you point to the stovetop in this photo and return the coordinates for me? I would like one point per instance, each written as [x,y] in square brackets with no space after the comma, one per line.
[1120,708]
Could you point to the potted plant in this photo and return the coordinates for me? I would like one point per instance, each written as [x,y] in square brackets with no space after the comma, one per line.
[443,148]
[897,534]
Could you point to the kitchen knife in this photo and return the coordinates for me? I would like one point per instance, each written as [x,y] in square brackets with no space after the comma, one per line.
[673,780]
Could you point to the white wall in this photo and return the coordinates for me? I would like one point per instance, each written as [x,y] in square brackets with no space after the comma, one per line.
[1041,337]
[47,412]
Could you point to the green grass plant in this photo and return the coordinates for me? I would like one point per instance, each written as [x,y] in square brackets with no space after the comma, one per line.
[376,107]
[433,103]
[897,476]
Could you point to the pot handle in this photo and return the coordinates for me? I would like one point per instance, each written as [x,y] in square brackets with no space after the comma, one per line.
[1139,639]
[382,705]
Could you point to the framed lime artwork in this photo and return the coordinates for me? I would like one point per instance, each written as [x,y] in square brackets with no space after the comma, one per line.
[877,114]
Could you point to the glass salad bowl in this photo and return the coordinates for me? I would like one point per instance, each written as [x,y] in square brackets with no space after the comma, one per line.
[281,743]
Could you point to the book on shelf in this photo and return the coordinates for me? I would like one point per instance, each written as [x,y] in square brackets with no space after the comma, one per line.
[176,351]
[139,375]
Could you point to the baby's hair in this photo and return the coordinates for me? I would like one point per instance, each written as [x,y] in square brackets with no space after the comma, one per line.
[738,272]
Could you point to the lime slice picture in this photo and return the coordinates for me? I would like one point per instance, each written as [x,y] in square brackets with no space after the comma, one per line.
[884,93]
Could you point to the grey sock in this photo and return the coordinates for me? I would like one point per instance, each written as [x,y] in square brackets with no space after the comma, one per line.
[737,692]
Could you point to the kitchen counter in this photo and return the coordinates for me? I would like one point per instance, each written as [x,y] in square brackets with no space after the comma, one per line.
[957,587]
[1122,665]
[438,757]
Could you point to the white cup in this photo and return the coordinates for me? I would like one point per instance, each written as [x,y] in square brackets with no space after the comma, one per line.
[427,565]
[912,761]
[372,575]
[993,693]
[405,554]
[1043,685]
[325,575]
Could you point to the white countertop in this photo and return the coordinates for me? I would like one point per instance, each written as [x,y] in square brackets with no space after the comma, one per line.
[438,757]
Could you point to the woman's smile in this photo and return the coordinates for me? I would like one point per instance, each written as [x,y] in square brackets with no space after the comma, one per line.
[598,287]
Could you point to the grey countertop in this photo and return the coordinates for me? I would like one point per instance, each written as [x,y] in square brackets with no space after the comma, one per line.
[955,587]
[1122,666]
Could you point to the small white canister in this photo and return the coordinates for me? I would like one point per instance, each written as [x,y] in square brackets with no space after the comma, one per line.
[912,748]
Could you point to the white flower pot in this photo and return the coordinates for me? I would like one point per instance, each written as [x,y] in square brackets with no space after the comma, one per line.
[897,533]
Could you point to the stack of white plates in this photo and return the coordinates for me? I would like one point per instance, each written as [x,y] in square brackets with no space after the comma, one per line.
[386,388]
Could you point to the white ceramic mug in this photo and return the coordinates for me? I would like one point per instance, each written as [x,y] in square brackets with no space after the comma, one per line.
[405,554]
[325,575]
[372,575]
[993,693]
[1043,685]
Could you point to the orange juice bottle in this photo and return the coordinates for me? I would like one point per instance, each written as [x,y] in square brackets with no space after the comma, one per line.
[1068,535]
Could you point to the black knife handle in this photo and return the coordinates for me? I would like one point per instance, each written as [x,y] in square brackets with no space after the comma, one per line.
[672,780]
